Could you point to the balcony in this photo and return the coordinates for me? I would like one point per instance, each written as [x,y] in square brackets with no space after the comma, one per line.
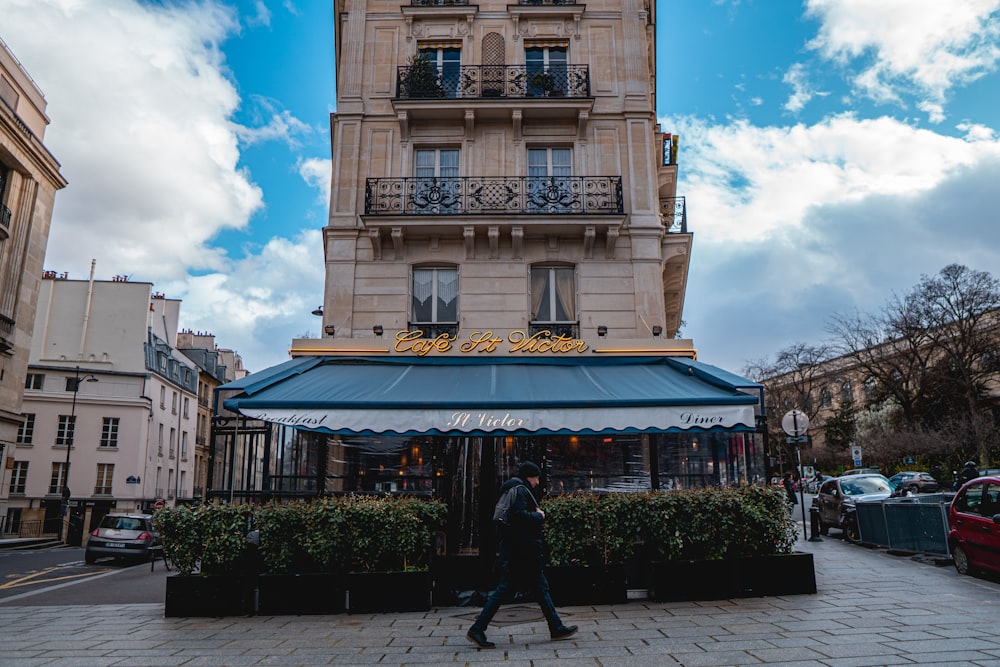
[509,195]
[435,329]
[427,82]
[549,329]
[673,211]
[439,3]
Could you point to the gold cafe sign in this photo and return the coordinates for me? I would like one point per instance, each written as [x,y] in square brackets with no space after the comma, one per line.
[486,342]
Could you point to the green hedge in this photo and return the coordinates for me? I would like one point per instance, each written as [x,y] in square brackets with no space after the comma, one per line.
[348,533]
[704,524]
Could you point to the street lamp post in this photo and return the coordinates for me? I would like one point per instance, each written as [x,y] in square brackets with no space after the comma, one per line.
[76,380]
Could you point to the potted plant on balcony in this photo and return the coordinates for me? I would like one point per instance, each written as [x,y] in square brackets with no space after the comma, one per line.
[388,546]
[420,79]
[214,561]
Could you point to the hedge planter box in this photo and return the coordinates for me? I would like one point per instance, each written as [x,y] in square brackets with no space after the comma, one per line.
[373,592]
[782,574]
[209,595]
[287,594]
[575,585]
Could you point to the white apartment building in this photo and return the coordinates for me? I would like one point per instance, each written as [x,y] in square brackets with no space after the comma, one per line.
[108,392]
[29,180]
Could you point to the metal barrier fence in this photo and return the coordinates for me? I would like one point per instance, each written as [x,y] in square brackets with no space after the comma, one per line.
[917,524]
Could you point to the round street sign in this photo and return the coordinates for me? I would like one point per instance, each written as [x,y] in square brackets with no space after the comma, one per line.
[158,505]
[795,423]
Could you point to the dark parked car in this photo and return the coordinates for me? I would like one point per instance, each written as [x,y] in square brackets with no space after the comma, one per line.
[834,494]
[974,526]
[122,536]
[917,482]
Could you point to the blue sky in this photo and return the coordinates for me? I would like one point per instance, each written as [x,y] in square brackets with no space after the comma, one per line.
[832,151]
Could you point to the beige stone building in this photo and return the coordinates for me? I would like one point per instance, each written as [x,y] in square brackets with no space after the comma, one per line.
[506,261]
[29,180]
[110,400]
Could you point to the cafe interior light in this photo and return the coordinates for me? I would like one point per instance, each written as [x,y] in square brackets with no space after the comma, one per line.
[329,330]
[378,330]
[602,331]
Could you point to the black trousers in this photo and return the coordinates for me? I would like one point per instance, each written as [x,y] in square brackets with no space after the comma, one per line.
[520,575]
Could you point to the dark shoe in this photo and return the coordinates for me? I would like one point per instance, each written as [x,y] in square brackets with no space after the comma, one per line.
[563,632]
[478,637]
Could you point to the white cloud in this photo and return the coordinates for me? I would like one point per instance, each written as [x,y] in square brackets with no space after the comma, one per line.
[793,224]
[274,124]
[923,45]
[317,173]
[802,92]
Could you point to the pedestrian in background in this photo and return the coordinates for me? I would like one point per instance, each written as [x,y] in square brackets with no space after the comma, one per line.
[790,489]
[521,558]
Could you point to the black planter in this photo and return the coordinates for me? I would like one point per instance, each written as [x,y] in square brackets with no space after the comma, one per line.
[372,592]
[209,595]
[456,578]
[783,574]
[573,585]
[285,594]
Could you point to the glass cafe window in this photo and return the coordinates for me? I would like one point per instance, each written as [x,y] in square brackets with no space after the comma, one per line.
[596,463]
[381,464]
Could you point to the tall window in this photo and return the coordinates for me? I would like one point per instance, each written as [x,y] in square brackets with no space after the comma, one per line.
[173,402]
[19,477]
[34,381]
[163,397]
[159,440]
[58,478]
[64,433]
[553,299]
[26,431]
[447,60]
[434,301]
[545,67]
[184,445]
[105,472]
[437,187]
[549,188]
[173,436]
[109,432]
[187,402]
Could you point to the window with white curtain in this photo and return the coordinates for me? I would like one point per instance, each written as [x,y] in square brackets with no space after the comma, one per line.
[553,295]
[434,296]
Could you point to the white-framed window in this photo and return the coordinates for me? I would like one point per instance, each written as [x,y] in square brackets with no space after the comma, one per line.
[173,402]
[65,430]
[545,67]
[173,437]
[58,479]
[159,440]
[19,477]
[184,445]
[187,403]
[437,187]
[105,473]
[553,299]
[550,172]
[434,299]
[34,381]
[163,398]
[26,431]
[109,432]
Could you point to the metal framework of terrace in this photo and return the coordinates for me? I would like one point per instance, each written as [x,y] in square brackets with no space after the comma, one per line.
[509,195]
[426,81]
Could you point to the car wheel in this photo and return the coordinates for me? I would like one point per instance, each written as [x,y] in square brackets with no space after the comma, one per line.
[961,560]
[913,488]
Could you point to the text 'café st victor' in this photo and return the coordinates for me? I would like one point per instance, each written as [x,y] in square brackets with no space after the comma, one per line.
[452,418]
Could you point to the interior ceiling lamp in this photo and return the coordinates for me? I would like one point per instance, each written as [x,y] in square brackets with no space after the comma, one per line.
[602,331]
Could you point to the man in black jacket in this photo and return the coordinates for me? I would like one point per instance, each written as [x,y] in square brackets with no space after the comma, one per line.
[521,559]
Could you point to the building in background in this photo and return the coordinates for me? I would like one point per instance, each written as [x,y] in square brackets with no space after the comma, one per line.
[215,367]
[29,180]
[506,261]
[109,398]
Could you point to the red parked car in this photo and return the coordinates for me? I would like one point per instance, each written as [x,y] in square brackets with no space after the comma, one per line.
[974,526]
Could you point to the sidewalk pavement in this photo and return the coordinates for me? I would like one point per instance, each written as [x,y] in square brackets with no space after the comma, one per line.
[872,608]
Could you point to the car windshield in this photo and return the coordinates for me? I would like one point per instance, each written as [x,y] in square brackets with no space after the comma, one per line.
[122,523]
[865,485]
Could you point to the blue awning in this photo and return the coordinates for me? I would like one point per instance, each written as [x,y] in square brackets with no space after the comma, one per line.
[508,395]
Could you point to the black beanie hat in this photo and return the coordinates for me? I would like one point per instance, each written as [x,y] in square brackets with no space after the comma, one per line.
[528,469]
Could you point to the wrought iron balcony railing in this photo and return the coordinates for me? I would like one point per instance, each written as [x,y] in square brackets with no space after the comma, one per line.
[426,81]
[674,212]
[511,195]
[434,329]
[546,2]
[438,3]
[549,329]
